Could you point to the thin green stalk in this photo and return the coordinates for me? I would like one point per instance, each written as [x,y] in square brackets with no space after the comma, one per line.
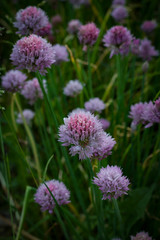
[89,73]
[118,214]
[30,136]
[142,87]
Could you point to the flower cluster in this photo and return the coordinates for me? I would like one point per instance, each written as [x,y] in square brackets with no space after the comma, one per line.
[73,88]
[45,199]
[83,132]
[94,105]
[27,114]
[146,50]
[88,34]
[111,182]
[61,54]
[145,113]
[118,39]
[141,236]
[32,91]
[30,20]
[148,26]
[33,53]
[73,26]
[13,80]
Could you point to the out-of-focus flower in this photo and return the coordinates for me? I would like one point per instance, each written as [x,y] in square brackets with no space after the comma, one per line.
[61,54]
[111,182]
[118,2]
[148,26]
[136,113]
[119,13]
[141,236]
[33,53]
[30,20]
[88,34]
[94,105]
[145,66]
[151,114]
[135,46]
[56,20]
[83,132]
[118,39]
[105,123]
[45,199]
[13,80]
[28,115]
[78,3]
[73,88]
[45,31]
[32,91]
[146,50]
[73,26]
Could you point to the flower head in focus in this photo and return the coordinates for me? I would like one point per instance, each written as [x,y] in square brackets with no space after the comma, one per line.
[61,54]
[94,105]
[88,34]
[33,53]
[28,115]
[83,132]
[118,39]
[73,26]
[146,50]
[13,81]
[32,91]
[111,182]
[148,26]
[141,236]
[73,88]
[44,197]
[119,13]
[30,20]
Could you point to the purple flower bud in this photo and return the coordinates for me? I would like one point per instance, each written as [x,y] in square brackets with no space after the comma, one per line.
[13,80]
[111,182]
[148,26]
[44,198]
[73,26]
[145,66]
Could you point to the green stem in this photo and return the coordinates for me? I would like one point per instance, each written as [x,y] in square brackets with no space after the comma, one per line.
[118,214]
[90,74]
[142,87]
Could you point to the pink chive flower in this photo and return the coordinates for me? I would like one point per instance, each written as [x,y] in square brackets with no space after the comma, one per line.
[30,20]
[151,113]
[118,2]
[33,53]
[61,54]
[88,34]
[73,88]
[32,90]
[13,81]
[44,198]
[73,26]
[111,182]
[118,39]
[94,105]
[28,115]
[141,236]
[105,123]
[148,26]
[136,113]
[83,132]
[146,50]
[56,20]
[119,13]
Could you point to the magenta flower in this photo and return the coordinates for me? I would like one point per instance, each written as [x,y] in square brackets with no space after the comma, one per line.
[105,123]
[118,39]
[73,26]
[148,26]
[28,115]
[61,54]
[30,20]
[119,13]
[141,236]
[111,182]
[146,50]
[13,81]
[84,134]
[94,105]
[73,88]
[88,34]
[32,90]
[56,20]
[44,198]
[33,53]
